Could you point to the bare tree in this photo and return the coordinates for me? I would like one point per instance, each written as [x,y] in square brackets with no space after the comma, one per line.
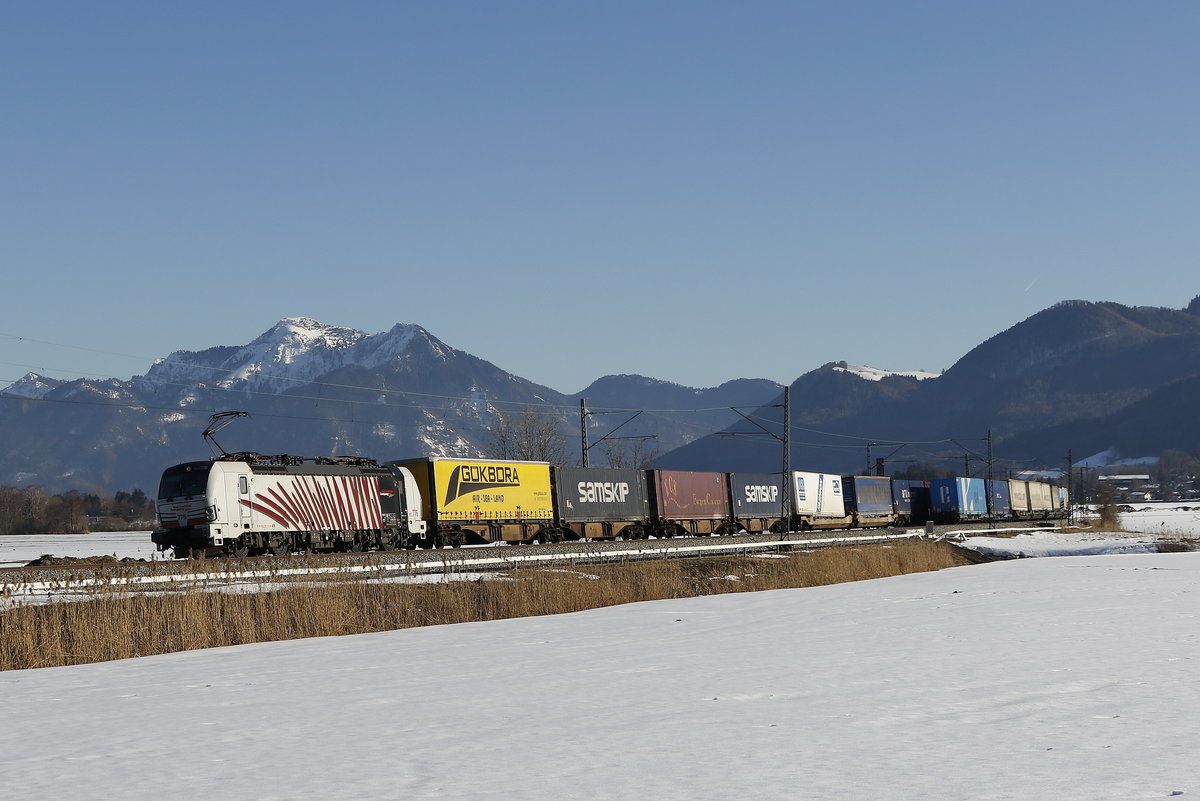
[12,504]
[533,434]
[34,503]
[636,452]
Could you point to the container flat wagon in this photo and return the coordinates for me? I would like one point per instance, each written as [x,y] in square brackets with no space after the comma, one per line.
[911,500]
[601,503]
[482,500]
[1041,502]
[686,502]
[1062,502]
[818,501]
[1018,493]
[954,500]
[757,500]
[1001,502]
[869,500]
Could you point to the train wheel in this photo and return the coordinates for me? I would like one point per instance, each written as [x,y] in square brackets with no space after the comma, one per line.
[240,550]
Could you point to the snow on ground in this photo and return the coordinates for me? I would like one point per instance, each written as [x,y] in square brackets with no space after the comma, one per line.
[1053,543]
[1178,518]
[20,549]
[1070,678]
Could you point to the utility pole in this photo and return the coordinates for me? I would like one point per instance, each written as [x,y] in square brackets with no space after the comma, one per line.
[785,498]
[583,429]
[583,434]
[1070,489]
[785,437]
[991,504]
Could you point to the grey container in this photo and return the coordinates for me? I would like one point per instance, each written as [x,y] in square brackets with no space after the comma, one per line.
[756,494]
[600,494]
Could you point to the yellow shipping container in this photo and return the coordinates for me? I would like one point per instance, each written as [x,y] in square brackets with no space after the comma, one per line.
[483,490]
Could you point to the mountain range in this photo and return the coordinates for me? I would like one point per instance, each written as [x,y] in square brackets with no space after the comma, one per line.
[1080,376]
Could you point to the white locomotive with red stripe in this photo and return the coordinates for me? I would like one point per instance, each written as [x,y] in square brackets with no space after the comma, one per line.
[246,504]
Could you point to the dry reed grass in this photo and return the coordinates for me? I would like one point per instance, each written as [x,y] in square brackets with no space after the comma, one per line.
[118,626]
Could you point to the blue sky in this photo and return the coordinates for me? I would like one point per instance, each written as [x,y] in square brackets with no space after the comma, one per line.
[693,191]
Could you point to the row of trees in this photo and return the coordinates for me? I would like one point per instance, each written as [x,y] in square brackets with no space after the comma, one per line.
[30,510]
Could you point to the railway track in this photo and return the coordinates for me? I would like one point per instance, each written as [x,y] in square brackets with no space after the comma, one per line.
[82,580]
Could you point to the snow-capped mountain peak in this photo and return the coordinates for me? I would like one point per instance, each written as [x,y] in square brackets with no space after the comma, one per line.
[294,351]
[293,336]
[305,346]
[876,374]
[31,385]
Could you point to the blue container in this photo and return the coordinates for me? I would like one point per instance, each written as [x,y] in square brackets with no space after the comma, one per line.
[911,500]
[956,499]
[1001,506]
[869,496]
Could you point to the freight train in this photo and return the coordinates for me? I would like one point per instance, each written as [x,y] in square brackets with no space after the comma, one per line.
[247,504]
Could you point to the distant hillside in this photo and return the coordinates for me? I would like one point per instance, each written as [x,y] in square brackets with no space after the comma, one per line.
[1079,375]
[313,390]
[1073,374]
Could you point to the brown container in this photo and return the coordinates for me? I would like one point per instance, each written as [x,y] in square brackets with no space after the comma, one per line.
[688,495]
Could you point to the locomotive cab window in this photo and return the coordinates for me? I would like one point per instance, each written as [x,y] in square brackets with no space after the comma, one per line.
[184,480]
[243,485]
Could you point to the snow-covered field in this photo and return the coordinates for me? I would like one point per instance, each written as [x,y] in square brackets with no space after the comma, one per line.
[1066,678]
[1180,518]
[17,550]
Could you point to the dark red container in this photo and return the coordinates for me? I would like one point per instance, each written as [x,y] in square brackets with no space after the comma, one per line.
[688,495]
